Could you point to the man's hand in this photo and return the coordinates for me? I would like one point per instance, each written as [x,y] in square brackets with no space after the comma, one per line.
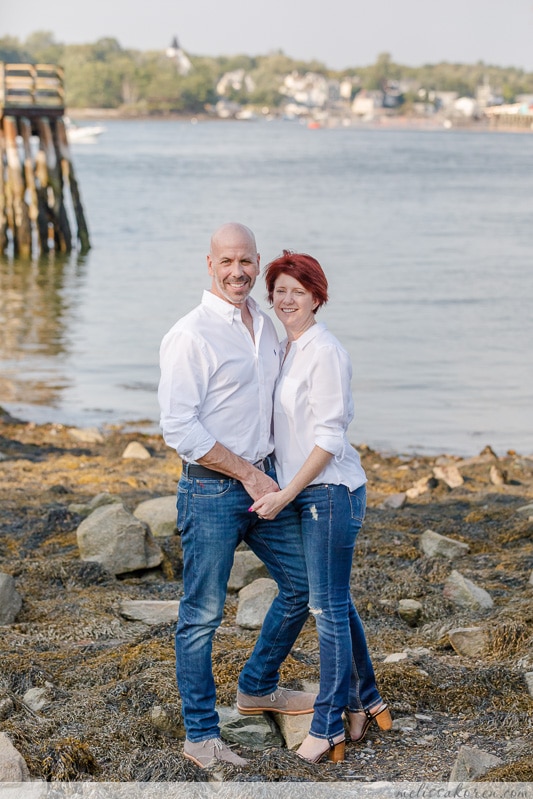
[257,484]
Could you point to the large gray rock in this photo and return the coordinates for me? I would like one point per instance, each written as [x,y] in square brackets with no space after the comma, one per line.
[465,593]
[529,682]
[254,602]
[433,544]
[469,641]
[10,599]
[150,611]
[293,728]
[84,508]
[472,763]
[255,732]
[117,540]
[159,514]
[394,501]
[13,767]
[246,568]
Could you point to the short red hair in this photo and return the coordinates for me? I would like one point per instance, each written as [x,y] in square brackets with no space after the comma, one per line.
[303,268]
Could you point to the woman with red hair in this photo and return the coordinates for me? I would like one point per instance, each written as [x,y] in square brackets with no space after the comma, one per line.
[320,472]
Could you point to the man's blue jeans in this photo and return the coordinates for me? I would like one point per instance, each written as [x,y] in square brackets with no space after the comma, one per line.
[213,519]
[331,517]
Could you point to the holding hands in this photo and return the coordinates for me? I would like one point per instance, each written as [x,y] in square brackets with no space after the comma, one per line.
[269,505]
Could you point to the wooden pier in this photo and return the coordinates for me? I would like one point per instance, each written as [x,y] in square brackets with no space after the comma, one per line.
[36,166]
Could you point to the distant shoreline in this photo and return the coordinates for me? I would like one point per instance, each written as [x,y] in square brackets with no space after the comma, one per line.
[383,122]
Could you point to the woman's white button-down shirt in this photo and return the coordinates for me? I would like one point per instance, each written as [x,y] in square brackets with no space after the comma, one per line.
[313,404]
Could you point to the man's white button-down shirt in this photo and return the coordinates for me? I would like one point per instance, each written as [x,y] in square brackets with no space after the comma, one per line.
[217,383]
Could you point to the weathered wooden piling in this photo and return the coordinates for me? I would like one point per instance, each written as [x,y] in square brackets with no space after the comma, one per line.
[35,164]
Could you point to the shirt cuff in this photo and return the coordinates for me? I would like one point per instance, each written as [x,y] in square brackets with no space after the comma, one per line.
[331,443]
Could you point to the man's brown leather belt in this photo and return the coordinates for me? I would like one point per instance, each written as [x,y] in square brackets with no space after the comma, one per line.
[195,470]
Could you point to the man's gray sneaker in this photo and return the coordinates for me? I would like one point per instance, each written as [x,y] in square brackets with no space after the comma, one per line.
[206,753]
[291,703]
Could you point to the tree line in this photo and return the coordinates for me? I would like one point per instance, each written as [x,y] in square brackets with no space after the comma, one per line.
[106,75]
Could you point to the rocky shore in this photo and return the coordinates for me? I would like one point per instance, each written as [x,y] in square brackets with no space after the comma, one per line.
[442,578]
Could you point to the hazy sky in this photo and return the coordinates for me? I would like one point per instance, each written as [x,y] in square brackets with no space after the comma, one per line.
[340,33]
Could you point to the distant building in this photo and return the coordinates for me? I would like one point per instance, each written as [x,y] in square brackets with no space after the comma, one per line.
[310,90]
[236,81]
[486,96]
[366,103]
[176,54]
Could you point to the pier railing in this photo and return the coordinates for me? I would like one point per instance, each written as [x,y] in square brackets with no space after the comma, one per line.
[32,87]
[35,163]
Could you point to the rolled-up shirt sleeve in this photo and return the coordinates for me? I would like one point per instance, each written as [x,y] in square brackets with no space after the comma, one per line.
[330,399]
[185,371]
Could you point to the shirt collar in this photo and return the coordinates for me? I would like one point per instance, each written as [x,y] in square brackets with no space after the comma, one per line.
[302,341]
[225,309]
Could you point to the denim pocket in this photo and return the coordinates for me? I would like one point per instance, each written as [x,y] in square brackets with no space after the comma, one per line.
[210,488]
[358,503]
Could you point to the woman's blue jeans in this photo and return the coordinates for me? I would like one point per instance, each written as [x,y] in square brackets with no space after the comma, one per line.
[331,517]
[213,519]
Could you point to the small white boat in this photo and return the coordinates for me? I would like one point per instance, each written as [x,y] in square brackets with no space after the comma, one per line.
[86,134]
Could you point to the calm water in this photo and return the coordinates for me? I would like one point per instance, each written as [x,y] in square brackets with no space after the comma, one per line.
[425,237]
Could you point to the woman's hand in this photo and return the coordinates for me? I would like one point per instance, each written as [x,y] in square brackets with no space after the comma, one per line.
[269,505]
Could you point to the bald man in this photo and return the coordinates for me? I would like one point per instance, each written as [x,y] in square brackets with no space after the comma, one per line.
[219,364]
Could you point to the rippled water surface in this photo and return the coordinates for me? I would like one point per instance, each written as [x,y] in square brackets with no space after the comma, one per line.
[425,237]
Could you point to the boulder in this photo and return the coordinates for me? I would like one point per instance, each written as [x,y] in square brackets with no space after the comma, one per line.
[472,763]
[449,475]
[293,728]
[255,732]
[465,593]
[469,641]
[394,501]
[254,601]
[433,544]
[159,514]
[117,540]
[150,611]
[10,599]
[13,767]
[246,568]
[137,451]
[84,508]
